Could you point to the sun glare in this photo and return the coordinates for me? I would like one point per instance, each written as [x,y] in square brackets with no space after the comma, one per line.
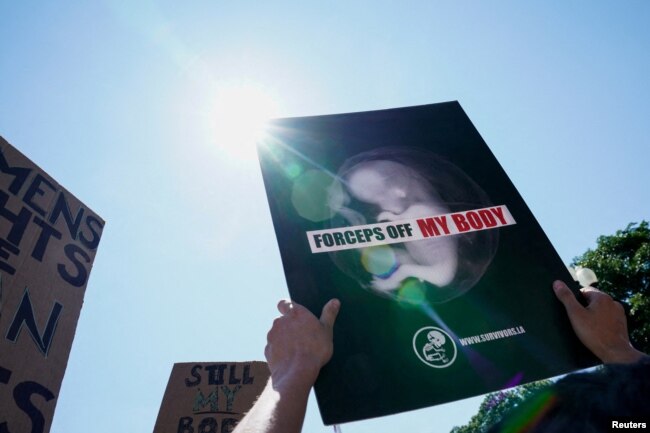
[240,114]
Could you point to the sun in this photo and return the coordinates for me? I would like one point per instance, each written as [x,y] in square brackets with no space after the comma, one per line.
[240,114]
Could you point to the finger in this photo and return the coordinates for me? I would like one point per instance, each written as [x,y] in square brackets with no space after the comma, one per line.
[592,295]
[589,289]
[565,295]
[285,306]
[330,311]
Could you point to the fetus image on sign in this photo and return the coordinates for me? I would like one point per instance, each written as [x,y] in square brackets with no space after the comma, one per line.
[434,347]
[400,193]
[394,184]
[434,350]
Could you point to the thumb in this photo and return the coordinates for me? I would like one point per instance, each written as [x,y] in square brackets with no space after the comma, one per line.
[565,295]
[285,306]
[330,311]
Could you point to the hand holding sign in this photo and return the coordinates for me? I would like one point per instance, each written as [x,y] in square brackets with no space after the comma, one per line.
[601,325]
[299,343]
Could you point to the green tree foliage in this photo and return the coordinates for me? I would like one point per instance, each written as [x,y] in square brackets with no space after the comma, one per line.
[622,264]
[495,405]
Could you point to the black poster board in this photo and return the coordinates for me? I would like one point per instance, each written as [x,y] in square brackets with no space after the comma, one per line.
[443,273]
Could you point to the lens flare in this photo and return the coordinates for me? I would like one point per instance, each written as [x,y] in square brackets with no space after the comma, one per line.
[293,170]
[412,291]
[531,413]
[309,195]
[379,260]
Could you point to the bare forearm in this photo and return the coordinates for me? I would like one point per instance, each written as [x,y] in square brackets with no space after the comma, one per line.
[280,409]
[625,355]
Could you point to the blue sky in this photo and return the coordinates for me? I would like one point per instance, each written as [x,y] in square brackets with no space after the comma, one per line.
[117,100]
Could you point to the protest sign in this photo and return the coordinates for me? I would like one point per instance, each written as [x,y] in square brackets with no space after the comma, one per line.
[443,273]
[48,241]
[210,397]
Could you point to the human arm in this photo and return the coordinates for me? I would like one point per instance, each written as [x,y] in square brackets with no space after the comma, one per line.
[601,325]
[298,345]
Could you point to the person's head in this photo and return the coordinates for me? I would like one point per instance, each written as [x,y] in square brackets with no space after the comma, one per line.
[584,402]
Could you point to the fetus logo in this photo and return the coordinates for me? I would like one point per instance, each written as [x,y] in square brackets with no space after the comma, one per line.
[434,347]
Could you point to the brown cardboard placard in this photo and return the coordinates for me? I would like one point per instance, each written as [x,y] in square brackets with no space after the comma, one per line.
[48,241]
[210,396]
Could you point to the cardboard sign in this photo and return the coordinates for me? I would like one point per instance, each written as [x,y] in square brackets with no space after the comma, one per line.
[443,273]
[210,397]
[48,241]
